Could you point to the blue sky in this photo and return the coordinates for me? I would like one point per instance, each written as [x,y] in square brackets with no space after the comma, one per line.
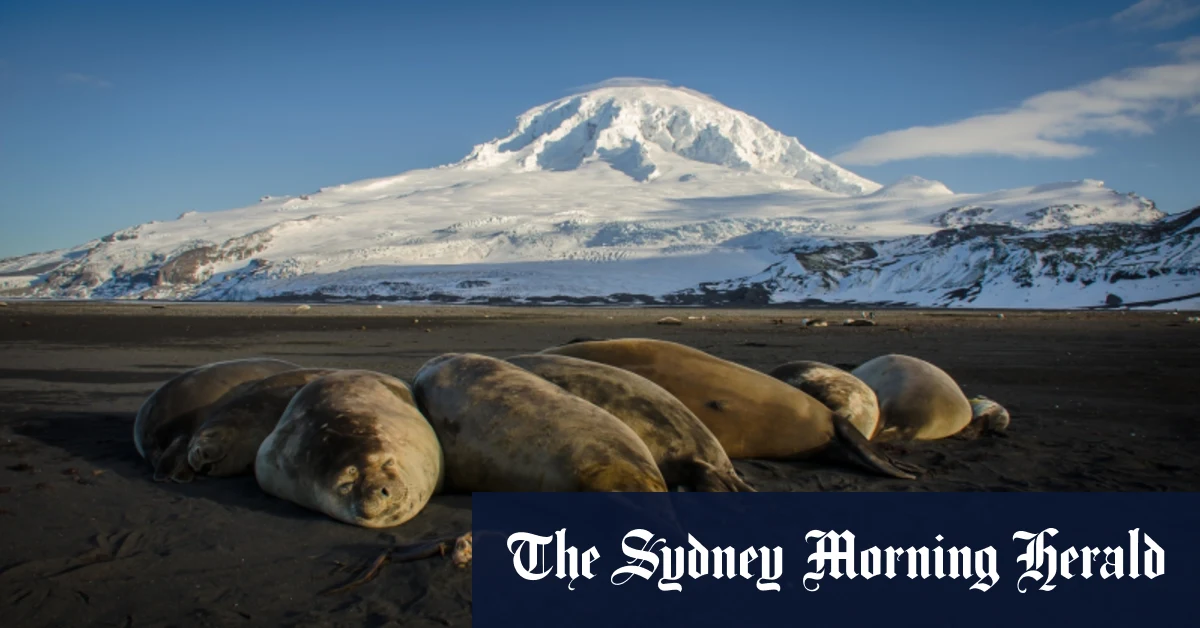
[115,113]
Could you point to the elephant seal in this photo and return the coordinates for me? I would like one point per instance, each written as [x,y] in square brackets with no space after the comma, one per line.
[352,444]
[228,440]
[752,414]
[836,388]
[506,429]
[170,415]
[989,416]
[917,400]
[684,449]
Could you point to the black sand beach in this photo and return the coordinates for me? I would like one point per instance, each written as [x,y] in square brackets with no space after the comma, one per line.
[1100,401]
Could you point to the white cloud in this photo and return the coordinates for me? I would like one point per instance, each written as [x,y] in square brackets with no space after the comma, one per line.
[1128,102]
[1157,14]
[625,81]
[1187,49]
[84,79]
[634,81]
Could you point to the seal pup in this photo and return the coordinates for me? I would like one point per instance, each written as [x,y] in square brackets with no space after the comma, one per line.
[987,416]
[917,400]
[506,429]
[352,444]
[752,414]
[684,449]
[836,388]
[170,415]
[228,440]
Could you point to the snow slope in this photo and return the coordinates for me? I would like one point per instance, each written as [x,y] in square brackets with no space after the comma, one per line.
[619,194]
[994,266]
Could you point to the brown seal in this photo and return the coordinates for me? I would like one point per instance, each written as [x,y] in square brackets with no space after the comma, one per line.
[506,429]
[752,414]
[228,440]
[170,415]
[836,388]
[685,450]
[917,400]
[352,445]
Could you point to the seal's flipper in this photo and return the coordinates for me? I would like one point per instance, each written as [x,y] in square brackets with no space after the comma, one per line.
[183,474]
[180,474]
[584,339]
[173,464]
[884,434]
[907,467]
[461,549]
[708,479]
[849,440]
[739,485]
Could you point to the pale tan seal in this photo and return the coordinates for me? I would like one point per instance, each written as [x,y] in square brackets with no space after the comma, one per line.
[917,400]
[752,414]
[836,388]
[170,415]
[506,429]
[686,451]
[352,444]
[228,440]
[988,417]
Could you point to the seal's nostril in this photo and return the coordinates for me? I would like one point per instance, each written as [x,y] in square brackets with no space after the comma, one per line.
[383,491]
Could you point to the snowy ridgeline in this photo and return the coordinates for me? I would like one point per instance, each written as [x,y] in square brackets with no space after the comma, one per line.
[646,195]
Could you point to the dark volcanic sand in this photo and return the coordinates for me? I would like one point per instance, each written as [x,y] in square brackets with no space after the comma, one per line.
[1100,402]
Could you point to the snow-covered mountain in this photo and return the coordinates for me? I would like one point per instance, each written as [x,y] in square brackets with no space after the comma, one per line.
[646,194]
[648,132]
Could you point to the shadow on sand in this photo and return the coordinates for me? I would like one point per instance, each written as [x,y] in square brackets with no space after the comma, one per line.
[105,440]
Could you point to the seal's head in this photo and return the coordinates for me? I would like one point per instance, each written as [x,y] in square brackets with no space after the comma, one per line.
[227,442]
[370,487]
[208,453]
[991,416]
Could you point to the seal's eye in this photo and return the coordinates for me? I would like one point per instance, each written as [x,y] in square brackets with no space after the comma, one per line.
[391,462]
[345,488]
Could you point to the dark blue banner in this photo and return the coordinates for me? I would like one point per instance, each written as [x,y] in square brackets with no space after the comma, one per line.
[850,559]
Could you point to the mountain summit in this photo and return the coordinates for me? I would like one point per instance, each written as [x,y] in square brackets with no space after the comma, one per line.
[645,194]
[644,130]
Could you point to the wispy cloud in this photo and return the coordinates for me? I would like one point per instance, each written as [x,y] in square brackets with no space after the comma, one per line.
[624,81]
[1186,49]
[1157,14]
[1131,102]
[634,81]
[76,78]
